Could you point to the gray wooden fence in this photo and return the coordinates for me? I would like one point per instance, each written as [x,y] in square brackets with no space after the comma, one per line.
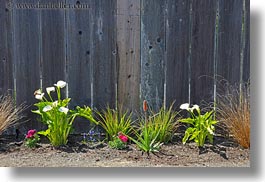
[115,52]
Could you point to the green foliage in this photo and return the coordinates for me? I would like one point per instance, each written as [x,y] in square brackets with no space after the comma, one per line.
[114,121]
[117,144]
[57,116]
[163,124]
[200,126]
[146,138]
[32,142]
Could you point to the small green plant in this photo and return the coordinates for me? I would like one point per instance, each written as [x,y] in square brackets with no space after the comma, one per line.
[113,121]
[201,126]
[56,115]
[146,138]
[163,124]
[119,142]
[32,138]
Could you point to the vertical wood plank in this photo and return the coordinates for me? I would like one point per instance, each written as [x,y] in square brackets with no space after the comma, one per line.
[128,53]
[6,64]
[26,55]
[229,46]
[177,52]
[246,51]
[104,54]
[202,57]
[53,43]
[153,52]
[79,48]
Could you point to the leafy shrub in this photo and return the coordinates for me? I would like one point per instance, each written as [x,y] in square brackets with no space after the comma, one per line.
[9,112]
[57,116]
[233,110]
[114,121]
[201,126]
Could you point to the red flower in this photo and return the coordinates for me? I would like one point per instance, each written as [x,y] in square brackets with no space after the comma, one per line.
[145,105]
[31,133]
[123,138]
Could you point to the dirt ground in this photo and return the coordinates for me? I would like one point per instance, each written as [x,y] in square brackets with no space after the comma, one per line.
[78,154]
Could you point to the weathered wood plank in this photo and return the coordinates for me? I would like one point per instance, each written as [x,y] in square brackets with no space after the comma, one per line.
[229,46]
[246,62]
[26,58]
[128,53]
[104,53]
[53,44]
[79,47]
[177,52]
[6,65]
[202,53]
[153,52]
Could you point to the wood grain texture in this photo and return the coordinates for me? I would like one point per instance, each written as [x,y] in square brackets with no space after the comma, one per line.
[246,51]
[153,52]
[6,68]
[26,52]
[128,53]
[79,47]
[104,54]
[53,42]
[177,52]
[229,47]
[202,57]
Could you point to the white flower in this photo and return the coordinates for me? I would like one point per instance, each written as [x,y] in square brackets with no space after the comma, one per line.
[185,106]
[60,84]
[195,106]
[64,110]
[39,96]
[55,104]
[37,92]
[47,108]
[50,89]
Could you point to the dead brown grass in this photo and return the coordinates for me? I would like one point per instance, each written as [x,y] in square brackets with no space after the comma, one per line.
[233,110]
[9,113]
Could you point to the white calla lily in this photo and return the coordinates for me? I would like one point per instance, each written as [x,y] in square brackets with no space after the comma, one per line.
[185,106]
[37,92]
[195,106]
[47,108]
[39,96]
[55,104]
[50,89]
[60,84]
[64,110]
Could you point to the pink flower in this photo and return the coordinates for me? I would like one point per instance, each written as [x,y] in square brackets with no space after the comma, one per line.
[31,133]
[123,138]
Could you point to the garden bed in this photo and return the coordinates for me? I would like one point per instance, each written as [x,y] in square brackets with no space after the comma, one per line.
[224,153]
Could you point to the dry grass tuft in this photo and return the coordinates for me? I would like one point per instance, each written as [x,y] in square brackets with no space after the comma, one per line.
[9,113]
[233,110]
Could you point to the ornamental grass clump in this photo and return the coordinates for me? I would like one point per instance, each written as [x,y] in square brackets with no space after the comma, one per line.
[9,112]
[163,124]
[148,135]
[57,116]
[233,111]
[114,121]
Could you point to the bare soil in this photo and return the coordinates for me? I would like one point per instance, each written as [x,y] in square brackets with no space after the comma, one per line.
[223,153]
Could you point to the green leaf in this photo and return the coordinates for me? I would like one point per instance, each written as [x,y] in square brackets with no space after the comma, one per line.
[45,133]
